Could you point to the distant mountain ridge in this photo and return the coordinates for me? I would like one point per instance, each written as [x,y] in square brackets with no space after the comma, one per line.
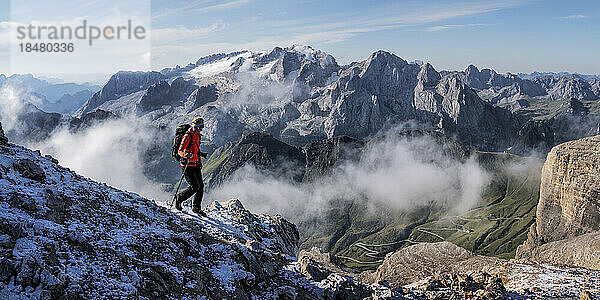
[535,74]
[509,88]
[62,98]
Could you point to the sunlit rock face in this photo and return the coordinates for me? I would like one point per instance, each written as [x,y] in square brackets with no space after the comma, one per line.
[568,212]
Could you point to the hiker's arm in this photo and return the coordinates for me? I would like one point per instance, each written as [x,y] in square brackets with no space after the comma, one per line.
[183,145]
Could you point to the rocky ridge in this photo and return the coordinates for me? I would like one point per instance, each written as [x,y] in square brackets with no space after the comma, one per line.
[3,138]
[509,88]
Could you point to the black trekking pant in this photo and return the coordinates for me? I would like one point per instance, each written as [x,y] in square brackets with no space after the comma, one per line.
[193,176]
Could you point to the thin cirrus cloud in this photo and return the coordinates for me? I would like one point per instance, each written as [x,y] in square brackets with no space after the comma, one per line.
[163,36]
[197,8]
[313,29]
[573,17]
[453,26]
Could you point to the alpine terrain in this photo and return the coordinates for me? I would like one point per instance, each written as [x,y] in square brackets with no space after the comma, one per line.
[376,179]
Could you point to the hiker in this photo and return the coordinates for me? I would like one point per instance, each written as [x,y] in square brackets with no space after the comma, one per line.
[189,150]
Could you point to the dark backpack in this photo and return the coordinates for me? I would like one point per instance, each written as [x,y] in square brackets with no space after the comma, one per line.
[179,134]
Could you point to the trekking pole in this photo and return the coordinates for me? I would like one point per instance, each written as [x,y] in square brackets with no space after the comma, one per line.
[178,185]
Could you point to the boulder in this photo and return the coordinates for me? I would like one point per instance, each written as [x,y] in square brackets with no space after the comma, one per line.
[29,169]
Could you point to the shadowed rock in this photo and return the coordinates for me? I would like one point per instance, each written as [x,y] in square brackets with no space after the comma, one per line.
[3,138]
[29,169]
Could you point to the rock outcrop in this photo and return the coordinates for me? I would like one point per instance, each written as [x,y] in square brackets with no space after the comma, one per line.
[499,88]
[510,88]
[443,270]
[567,87]
[262,151]
[568,212]
[3,138]
[416,262]
[384,90]
[163,93]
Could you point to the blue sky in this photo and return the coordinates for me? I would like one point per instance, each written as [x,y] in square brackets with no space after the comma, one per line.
[506,35]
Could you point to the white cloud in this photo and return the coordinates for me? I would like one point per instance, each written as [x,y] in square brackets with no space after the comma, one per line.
[575,17]
[312,30]
[453,26]
[399,173]
[164,36]
[194,9]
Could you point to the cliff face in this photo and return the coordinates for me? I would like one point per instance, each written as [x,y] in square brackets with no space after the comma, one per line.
[568,212]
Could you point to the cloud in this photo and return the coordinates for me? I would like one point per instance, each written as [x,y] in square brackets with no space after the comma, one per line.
[314,30]
[395,172]
[453,26]
[575,17]
[166,36]
[194,9]
[111,151]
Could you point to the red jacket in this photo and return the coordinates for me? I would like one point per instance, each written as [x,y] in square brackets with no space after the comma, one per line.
[184,148]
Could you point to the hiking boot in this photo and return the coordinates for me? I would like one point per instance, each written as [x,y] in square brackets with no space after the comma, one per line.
[177,203]
[198,211]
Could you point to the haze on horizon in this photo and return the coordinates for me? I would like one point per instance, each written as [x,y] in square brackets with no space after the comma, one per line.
[505,35]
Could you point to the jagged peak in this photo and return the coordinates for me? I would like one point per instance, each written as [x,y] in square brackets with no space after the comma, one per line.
[471,69]
[387,57]
[428,75]
[378,59]
[218,56]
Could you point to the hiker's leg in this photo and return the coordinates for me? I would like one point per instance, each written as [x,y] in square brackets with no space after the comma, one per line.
[192,182]
[200,191]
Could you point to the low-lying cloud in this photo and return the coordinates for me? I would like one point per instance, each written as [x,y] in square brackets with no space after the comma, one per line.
[398,172]
[110,151]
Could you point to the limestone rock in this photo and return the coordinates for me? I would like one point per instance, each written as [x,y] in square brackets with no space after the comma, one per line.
[567,87]
[419,261]
[582,250]
[569,206]
[120,84]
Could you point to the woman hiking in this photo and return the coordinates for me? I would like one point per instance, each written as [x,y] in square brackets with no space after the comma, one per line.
[191,163]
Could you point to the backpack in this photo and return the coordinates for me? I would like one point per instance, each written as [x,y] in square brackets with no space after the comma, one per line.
[179,134]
